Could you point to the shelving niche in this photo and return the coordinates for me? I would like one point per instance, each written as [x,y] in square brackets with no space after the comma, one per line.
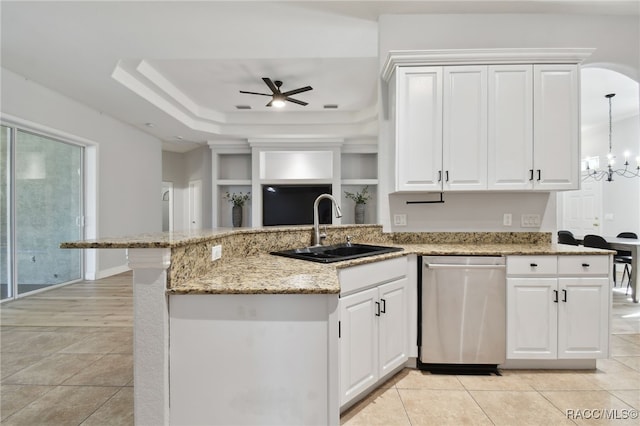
[234,171]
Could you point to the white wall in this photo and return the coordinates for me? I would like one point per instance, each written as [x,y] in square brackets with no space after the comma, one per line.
[129,161]
[616,39]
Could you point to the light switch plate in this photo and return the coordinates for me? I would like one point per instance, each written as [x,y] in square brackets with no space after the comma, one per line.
[530,220]
[507,219]
[216,252]
[400,219]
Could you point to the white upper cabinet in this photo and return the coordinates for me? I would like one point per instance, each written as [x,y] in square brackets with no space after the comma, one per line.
[510,127]
[556,127]
[498,121]
[464,159]
[418,128]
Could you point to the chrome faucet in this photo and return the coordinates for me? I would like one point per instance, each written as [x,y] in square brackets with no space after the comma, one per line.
[317,237]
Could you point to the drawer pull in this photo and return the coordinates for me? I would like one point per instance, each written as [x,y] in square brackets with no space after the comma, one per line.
[585,265]
[533,265]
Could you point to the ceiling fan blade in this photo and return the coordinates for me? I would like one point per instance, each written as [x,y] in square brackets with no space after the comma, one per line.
[295,101]
[270,102]
[296,91]
[272,86]
[254,93]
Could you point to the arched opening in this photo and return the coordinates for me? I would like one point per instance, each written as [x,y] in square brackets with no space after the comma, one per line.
[602,207]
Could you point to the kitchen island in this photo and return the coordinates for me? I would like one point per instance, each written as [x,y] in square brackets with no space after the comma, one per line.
[253,338]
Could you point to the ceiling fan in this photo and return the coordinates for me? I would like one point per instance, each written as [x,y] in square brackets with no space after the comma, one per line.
[278,97]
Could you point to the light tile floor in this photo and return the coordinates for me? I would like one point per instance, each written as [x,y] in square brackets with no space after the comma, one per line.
[67,360]
[518,397]
[67,355]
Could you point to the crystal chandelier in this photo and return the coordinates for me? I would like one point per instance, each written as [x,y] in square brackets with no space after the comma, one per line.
[608,173]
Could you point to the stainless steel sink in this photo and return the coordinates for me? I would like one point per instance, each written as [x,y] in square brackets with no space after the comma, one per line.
[335,253]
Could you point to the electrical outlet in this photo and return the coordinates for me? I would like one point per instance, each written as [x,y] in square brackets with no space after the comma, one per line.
[400,219]
[506,219]
[530,220]
[216,252]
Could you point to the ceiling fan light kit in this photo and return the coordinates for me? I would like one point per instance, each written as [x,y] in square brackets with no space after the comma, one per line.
[279,98]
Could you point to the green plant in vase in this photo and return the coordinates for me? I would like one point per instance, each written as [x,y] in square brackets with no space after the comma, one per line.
[238,200]
[360,198]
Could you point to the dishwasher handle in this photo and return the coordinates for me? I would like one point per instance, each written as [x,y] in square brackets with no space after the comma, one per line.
[455,266]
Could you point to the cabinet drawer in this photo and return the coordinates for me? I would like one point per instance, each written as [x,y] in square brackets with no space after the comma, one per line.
[363,276]
[532,265]
[583,265]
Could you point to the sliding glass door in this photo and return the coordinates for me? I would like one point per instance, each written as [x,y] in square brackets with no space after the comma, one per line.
[44,209]
[6,290]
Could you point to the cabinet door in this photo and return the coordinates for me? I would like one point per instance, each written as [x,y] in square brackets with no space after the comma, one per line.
[465,128]
[418,129]
[393,325]
[532,316]
[583,318]
[556,127]
[358,343]
[510,127]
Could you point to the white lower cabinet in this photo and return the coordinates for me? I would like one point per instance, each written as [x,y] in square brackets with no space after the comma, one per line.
[373,332]
[558,307]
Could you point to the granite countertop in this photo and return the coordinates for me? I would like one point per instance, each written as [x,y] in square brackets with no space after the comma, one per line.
[268,274]
[180,239]
[247,268]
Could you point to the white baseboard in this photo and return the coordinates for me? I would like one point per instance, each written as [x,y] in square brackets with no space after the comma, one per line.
[107,273]
[564,364]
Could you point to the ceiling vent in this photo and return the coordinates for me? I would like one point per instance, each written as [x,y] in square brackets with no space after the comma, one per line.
[331,106]
[243,107]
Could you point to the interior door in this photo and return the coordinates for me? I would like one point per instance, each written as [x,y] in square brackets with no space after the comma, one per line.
[582,209]
[195,205]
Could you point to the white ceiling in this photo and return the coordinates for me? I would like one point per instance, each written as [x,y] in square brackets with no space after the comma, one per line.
[180,65]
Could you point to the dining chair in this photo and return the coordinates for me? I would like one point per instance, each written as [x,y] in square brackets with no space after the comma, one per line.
[624,257]
[566,237]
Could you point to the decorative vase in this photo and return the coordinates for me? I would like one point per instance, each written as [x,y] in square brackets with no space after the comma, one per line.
[236,216]
[359,213]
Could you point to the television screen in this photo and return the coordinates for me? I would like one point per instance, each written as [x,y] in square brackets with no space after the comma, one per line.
[293,204]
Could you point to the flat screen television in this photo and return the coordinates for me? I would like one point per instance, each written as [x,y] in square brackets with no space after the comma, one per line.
[293,204]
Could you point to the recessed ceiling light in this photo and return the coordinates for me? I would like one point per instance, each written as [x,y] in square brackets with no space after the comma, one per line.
[149,124]
[331,106]
[243,107]
[179,138]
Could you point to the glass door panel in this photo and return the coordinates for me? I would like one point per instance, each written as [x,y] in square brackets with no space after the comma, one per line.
[6,289]
[48,209]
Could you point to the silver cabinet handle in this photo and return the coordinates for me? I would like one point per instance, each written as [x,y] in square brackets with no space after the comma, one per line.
[447,266]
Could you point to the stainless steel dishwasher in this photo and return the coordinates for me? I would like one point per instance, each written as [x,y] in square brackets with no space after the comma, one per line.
[462,314]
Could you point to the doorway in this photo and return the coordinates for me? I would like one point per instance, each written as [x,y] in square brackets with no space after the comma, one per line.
[167,206]
[195,205]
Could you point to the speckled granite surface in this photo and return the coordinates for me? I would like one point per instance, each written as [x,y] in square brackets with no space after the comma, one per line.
[247,268]
[263,274]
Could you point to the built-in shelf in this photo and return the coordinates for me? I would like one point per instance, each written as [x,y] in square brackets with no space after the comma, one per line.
[359,181]
[349,167]
[234,182]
